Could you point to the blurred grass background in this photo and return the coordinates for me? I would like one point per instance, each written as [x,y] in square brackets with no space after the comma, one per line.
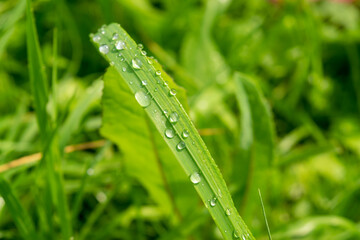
[302,60]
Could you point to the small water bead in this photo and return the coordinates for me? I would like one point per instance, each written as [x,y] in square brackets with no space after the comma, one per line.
[213,202]
[185,133]
[102,31]
[169,133]
[158,73]
[115,36]
[136,63]
[155,90]
[131,82]
[172,92]
[112,63]
[140,46]
[144,82]
[120,45]
[124,69]
[174,117]
[143,53]
[142,98]
[195,178]
[155,111]
[228,212]
[181,145]
[96,38]
[166,83]
[104,49]
[165,111]
[236,235]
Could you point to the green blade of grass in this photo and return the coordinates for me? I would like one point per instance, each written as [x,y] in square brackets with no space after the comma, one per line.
[51,153]
[167,114]
[21,218]
[38,81]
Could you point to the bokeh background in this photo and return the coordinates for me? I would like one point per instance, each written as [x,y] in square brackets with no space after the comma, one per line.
[303,58]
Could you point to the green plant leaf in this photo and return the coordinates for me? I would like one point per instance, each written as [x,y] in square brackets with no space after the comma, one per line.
[21,218]
[168,115]
[256,143]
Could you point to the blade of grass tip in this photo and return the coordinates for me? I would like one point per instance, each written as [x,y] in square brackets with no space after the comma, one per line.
[264,213]
[21,218]
[166,112]
[37,71]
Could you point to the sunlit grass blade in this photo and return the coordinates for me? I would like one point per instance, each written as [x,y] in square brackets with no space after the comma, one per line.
[21,218]
[167,114]
[264,213]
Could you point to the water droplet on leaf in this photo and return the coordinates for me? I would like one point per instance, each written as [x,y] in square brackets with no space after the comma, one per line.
[115,36]
[213,202]
[172,92]
[140,46]
[181,145]
[195,178]
[228,212]
[158,73]
[185,133]
[120,45]
[174,117]
[96,38]
[144,82]
[169,133]
[104,49]
[142,98]
[136,63]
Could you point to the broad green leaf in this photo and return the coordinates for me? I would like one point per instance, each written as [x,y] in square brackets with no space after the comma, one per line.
[21,218]
[256,145]
[147,157]
[163,108]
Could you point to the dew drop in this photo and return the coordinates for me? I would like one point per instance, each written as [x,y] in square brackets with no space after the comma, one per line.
[115,36]
[166,83]
[96,38]
[165,111]
[158,73]
[144,82]
[142,98]
[104,49]
[131,82]
[213,202]
[136,63]
[195,178]
[124,69]
[112,63]
[174,117]
[236,235]
[185,133]
[143,53]
[155,90]
[181,145]
[140,46]
[102,31]
[120,45]
[228,212]
[172,92]
[169,133]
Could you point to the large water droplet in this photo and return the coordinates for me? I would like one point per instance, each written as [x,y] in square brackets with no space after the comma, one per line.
[180,146]
[142,98]
[195,178]
[185,133]
[169,133]
[104,49]
[213,202]
[115,36]
[96,38]
[172,92]
[174,117]
[120,45]
[136,63]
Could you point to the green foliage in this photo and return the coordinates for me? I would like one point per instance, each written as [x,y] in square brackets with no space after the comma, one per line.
[272,87]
